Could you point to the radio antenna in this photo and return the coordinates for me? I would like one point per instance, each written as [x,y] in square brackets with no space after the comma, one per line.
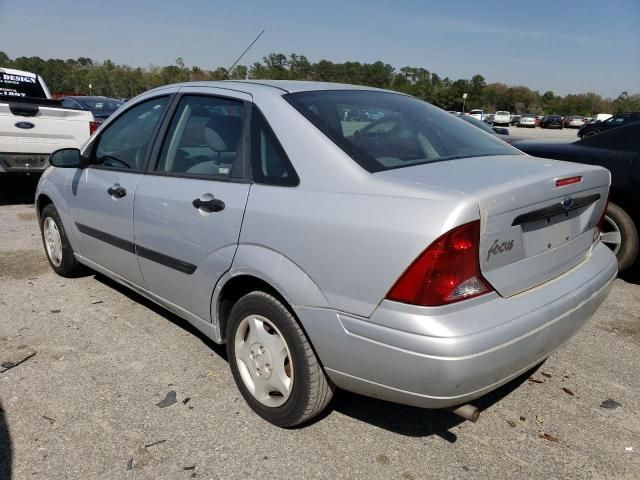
[246,50]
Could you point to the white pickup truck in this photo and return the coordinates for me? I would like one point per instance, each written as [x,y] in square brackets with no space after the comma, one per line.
[32,125]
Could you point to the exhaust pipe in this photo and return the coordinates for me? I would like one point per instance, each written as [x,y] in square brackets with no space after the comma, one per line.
[466,411]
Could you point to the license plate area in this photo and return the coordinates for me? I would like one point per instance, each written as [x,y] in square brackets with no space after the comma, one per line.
[551,232]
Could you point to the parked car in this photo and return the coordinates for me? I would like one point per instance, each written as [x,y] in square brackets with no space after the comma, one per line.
[488,118]
[101,107]
[617,120]
[601,117]
[328,259]
[32,125]
[551,121]
[574,121]
[500,132]
[527,120]
[616,150]
[514,120]
[477,113]
[502,118]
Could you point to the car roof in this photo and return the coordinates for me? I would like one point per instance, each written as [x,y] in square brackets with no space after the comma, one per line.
[12,71]
[276,87]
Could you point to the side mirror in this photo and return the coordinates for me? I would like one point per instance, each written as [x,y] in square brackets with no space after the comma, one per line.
[66,158]
[501,131]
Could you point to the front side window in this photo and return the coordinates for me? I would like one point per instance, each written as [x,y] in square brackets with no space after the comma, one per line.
[125,142]
[204,138]
[382,131]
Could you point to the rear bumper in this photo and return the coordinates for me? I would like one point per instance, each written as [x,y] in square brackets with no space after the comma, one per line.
[445,356]
[23,162]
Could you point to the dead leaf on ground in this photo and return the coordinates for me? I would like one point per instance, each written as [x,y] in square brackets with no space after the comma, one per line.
[549,436]
[545,374]
[511,423]
[534,380]
[567,390]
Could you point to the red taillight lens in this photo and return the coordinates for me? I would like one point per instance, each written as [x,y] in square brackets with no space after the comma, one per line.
[447,271]
[93,126]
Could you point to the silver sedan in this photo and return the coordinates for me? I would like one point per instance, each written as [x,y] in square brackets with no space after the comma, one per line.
[334,236]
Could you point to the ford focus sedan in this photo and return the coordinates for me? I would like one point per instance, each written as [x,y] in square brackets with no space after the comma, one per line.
[403,255]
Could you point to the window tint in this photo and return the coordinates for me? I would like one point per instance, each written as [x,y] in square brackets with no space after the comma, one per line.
[204,138]
[125,142]
[21,85]
[625,138]
[381,130]
[269,162]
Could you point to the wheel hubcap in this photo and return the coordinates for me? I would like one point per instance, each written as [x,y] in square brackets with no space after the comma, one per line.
[52,241]
[263,360]
[610,235]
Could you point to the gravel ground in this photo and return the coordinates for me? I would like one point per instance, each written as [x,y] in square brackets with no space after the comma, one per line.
[85,406]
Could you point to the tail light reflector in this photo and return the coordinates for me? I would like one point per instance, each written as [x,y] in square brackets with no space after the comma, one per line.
[446,272]
[93,126]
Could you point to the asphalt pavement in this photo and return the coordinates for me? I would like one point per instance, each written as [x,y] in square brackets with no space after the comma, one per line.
[120,388]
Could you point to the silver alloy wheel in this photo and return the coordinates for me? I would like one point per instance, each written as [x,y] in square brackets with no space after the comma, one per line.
[263,360]
[52,241]
[610,235]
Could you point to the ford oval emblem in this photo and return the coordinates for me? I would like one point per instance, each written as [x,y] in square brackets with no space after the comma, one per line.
[25,125]
[567,202]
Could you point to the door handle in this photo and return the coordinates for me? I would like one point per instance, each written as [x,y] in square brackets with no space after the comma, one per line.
[117,191]
[212,204]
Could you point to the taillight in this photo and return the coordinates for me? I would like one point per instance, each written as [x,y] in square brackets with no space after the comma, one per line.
[447,271]
[598,230]
[93,126]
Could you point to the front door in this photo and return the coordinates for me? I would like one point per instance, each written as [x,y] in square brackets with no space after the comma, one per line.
[189,207]
[101,196]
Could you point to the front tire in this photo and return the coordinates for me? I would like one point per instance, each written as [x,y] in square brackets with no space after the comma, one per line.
[56,244]
[619,233]
[272,362]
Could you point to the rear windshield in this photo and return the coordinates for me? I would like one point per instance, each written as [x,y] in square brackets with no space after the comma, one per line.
[382,131]
[20,86]
[502,113]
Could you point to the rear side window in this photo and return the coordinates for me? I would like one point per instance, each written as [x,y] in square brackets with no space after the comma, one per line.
[124,143]
[382,130]
[204,138]
[22,85]
[269,162]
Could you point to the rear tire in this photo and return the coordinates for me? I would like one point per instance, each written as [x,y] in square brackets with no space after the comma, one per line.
[618,225]
[264,339]
[56,244]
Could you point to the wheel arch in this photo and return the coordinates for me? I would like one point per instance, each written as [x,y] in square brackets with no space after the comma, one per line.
[259,268]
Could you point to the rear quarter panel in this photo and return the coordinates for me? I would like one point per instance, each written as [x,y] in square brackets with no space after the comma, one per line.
[352,246]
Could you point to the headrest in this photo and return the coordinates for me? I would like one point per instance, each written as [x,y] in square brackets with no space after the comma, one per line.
[222,133]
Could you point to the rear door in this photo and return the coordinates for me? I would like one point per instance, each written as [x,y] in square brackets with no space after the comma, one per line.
[101,196]
[189,208]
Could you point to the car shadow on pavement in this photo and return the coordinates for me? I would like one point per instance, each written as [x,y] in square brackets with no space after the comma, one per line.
[414,421]
[632,275]
[18,189]
[400,419]
[172,317]
[5,447]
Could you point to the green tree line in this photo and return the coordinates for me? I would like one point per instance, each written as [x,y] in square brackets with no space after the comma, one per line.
[113,80]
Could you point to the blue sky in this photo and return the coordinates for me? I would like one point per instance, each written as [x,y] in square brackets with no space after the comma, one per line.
[563,46]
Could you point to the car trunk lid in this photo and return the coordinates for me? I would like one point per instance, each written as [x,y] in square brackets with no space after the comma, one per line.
[533,228]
